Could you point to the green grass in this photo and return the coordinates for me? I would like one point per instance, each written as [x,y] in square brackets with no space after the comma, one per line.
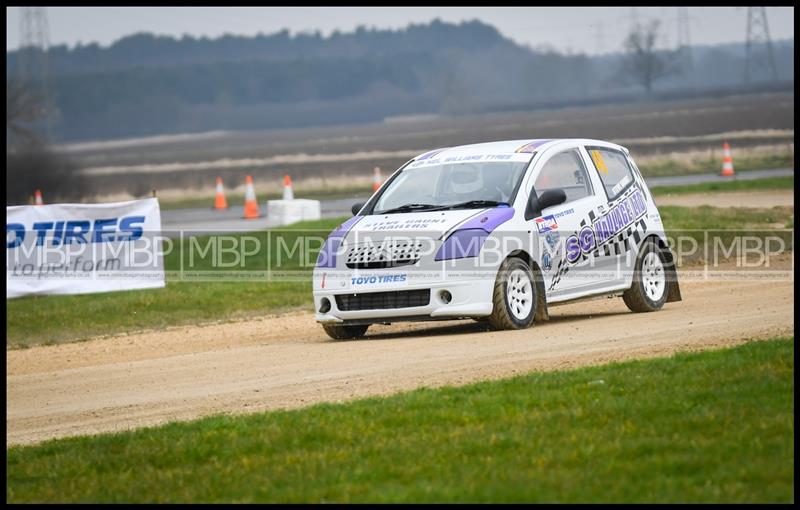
[39,320]
[769,183]
[710,164]
[49,320]
[707,231]
[676,217]
[716,426]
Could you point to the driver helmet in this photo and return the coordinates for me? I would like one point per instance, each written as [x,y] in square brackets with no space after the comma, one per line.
[466,179]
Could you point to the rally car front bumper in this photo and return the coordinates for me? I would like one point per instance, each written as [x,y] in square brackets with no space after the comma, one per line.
[414,297]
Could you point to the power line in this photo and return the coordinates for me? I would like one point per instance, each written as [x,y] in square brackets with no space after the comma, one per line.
[684,42]
[32,61]
[759,58]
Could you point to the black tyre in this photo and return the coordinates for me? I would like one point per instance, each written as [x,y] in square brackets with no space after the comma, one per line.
[648,291]
[345,332]
[514,296]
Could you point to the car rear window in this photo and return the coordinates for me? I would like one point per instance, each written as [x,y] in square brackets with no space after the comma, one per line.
[613,168]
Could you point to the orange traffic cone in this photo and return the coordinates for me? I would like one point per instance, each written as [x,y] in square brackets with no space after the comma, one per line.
[250,202]
[727,161]
[38,200]
[219,201]
[288,192]
[376,179]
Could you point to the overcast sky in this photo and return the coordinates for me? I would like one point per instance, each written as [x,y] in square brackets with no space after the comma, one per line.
[577,29]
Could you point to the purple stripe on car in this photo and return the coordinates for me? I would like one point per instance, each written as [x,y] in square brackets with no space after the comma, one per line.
[327,254]
[468,238]
[532,146]
[431,154]
[345,227]
[490,219]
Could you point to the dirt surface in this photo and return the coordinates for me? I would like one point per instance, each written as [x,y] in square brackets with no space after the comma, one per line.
[767,199]
[143,379]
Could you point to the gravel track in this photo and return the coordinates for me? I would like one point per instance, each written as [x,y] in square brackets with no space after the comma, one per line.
[148,378]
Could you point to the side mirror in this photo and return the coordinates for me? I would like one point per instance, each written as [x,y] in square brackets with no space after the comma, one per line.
[552,197]
[357,207]
[547,199]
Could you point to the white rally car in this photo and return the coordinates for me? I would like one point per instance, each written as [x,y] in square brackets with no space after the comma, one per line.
[496,232]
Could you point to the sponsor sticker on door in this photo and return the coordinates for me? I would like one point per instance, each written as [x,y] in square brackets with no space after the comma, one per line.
[546,224]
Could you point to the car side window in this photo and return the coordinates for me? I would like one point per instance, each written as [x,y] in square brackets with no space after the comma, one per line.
[613,168]
[566,171]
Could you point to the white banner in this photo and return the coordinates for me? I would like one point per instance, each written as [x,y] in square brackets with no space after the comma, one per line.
[83,248]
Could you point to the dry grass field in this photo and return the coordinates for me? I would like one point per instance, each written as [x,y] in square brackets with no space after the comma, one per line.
[190,163]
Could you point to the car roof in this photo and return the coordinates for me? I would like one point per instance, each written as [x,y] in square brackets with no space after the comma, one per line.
[506,147]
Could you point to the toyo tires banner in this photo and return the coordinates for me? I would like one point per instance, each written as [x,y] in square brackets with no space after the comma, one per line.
[83,248]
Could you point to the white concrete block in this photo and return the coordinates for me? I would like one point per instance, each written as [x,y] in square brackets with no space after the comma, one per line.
[286,212]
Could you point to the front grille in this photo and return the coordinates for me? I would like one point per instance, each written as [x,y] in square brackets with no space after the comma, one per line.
[383,300]
[391,253]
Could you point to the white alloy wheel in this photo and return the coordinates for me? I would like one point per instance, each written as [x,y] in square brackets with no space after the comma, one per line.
[514,296]
[519,294]
[653,277]
[648,291]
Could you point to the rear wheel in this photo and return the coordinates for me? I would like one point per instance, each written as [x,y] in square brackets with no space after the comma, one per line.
[648,291]
[345,332]
[514,296]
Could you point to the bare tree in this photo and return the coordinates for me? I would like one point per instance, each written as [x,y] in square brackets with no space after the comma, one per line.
[643,62]
[23,107]
[30,163]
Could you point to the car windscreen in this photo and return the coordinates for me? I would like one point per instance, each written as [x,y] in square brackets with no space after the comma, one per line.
[454,184]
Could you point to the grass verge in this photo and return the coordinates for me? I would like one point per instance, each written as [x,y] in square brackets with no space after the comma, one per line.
[716,426]
[34,320]
[699,163]
[769,183]
[676,218]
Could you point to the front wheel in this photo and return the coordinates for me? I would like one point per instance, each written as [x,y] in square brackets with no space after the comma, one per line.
[514,296]
[345,332]
[648,291]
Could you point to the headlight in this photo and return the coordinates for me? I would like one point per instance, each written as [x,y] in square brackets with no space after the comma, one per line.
[462,244]
[468,239]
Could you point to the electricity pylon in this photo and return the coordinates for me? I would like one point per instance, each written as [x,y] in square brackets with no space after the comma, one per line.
[684,40]
[33,72]
[759,58]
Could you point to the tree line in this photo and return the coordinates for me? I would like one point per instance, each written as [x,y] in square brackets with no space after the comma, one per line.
[147,85]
